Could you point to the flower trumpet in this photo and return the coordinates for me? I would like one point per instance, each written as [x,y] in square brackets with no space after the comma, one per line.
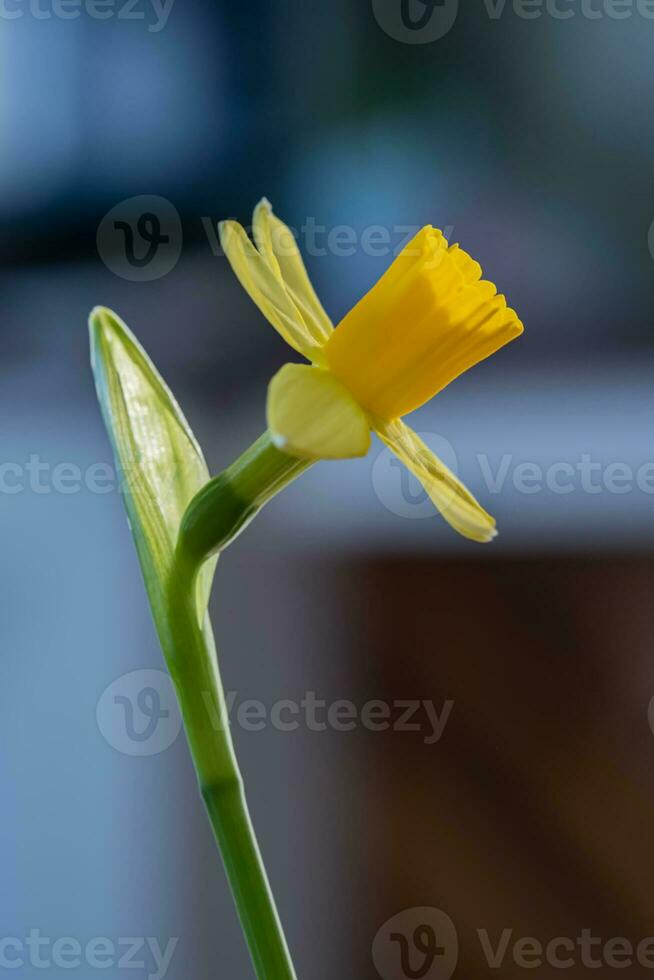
[429,318]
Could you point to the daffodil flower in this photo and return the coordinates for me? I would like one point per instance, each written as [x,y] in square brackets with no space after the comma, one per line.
[429,318]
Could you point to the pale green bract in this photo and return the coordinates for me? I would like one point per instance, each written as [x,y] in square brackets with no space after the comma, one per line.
[160,462]
[163,471]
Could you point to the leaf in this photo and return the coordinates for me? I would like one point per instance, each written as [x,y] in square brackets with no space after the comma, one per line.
[157,456]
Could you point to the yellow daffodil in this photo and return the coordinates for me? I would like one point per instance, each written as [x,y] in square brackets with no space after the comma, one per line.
[429,318]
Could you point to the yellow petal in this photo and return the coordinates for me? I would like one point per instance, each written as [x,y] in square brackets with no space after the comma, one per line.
[453,500]
[428,319]
[276,242]
[311,414]
[266,289]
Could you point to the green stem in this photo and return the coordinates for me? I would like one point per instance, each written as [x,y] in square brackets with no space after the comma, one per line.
[228,813]
[194,669]
[215,516]
[227,504]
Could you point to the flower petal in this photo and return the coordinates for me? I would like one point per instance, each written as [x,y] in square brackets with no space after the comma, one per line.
[311,414]
[428,319]
[276,242]
[453,500]
[266,289]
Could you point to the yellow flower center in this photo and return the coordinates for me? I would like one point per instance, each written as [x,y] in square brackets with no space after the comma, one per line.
[428,319]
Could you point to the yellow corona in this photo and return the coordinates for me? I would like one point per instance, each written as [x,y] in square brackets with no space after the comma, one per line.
[429,318]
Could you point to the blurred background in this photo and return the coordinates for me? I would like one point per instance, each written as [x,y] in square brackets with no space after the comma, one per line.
[518,798]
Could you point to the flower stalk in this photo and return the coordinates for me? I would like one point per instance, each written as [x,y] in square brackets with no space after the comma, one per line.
[227,504]
[215,516]
[192,660]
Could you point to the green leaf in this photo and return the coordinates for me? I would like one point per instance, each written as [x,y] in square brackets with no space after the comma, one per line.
[162,469]
[157,456]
